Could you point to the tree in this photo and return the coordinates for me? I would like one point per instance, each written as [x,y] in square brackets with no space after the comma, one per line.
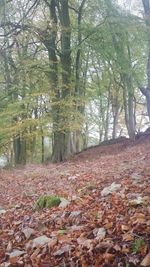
[146,91]
[60,60]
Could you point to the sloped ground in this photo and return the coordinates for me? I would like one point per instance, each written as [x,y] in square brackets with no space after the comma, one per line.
[93,230]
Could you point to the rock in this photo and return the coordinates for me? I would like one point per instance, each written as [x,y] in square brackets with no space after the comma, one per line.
[136,177]
[75,213]
[5,264]
[63,250]
[28,232]
[15,255]
[74,228]
[137,201]
[64,203]
[38,242]
[110,189]
[2,211]
[99,233]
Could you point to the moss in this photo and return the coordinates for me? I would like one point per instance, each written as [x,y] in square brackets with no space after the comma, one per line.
[137,245]
[47,202]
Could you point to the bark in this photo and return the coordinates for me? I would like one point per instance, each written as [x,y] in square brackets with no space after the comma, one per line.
[62,148]
[85,136]
[131,126]
[146,91]
[79,89]
[128,99]
[19,145]
[126,78]
[78,56]
[115,124]
[115,111]
[130,107]
[107,117]
[42,148]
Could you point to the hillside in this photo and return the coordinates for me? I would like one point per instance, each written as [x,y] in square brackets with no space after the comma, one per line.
[93,228]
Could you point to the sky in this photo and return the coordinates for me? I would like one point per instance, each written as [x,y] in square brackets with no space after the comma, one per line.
[135,6]
[125,3]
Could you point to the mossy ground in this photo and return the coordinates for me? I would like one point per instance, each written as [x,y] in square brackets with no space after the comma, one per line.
[47,202]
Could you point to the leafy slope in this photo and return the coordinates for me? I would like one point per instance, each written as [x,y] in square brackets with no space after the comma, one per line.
[93,230]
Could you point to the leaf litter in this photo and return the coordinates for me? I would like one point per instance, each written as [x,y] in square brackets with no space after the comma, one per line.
[98,224]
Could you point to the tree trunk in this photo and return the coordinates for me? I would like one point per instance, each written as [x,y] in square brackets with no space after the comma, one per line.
[146,91]
[19,145]
[115,124]
[131,122]
[59,10]
[62,147]
[128,100]
[107,117]
[79,88]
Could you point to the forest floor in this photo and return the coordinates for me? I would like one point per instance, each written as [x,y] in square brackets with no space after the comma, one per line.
[94,228]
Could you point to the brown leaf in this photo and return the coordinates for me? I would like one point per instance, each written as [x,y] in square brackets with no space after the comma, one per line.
[17,222]
[34,258]
[87,243]
[52,243]
[127,237]
[117,247]
[146,260]
[15,255]
[108,225]
[108,257]
[125,249]
[124,228]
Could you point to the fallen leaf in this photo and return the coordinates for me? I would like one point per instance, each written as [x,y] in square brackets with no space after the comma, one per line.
[85,242]
[52,243]
[108,257]
[127,237]
[15,255]
[146,260]
[124,228]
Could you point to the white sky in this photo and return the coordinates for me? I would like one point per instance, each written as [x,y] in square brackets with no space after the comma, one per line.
[125,3]
[135,6]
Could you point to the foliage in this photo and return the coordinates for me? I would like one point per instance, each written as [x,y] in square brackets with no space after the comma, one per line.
[95,102]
